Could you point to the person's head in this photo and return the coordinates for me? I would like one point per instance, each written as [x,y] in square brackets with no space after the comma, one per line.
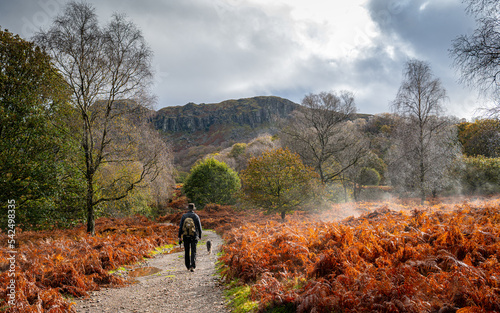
[191,207]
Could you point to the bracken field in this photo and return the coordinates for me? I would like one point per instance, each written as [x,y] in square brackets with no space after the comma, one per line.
[53,266]
[393,257]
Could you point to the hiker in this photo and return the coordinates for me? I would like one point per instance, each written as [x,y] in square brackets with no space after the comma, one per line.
[189,233]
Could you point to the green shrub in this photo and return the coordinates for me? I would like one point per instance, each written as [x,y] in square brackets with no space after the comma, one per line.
[212,181]
[238,149]
[481,175]
[369,177]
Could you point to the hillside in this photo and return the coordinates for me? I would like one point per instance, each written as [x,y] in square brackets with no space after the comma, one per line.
[195,130]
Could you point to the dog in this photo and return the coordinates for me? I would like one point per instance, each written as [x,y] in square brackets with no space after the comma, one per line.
[209,247]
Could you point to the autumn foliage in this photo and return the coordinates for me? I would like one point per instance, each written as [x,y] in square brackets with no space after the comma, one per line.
[430,259]
[222,218]
[278,181]
[51,264]
[393,258]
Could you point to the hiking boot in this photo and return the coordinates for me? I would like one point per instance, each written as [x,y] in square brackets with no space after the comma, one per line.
[191,269]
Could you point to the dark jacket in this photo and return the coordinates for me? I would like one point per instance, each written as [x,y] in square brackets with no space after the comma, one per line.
[196,220]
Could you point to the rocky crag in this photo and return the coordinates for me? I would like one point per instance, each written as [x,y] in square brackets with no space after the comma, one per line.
[251,112]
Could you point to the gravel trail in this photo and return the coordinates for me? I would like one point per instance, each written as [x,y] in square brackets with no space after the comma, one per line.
[173,289]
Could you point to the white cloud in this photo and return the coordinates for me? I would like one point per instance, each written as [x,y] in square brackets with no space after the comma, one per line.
[423,6]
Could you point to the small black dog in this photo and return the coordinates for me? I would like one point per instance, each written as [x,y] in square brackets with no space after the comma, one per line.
[209,247]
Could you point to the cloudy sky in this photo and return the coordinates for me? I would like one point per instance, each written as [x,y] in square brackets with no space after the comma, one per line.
[212,50]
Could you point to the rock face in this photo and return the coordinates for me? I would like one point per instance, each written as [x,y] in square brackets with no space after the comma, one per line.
[250,112]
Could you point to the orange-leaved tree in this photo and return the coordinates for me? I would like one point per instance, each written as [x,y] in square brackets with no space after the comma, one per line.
[278,181]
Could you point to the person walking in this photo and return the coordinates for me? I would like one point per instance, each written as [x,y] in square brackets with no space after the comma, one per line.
[189,233]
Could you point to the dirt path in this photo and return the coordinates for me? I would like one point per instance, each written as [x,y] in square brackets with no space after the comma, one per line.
[173,289]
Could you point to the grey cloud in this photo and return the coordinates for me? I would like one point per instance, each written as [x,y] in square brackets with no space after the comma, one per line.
[427,28]
[27,16]
[209,51]
[430,26]
[219,52]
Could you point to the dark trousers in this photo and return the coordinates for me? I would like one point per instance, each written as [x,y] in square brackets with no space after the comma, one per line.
[190,251]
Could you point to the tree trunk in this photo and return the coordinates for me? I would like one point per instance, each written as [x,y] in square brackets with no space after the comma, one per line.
[321,174]
[356,191]
[90,208]
[89,173]
[283,214]
[422,181]
[422,165]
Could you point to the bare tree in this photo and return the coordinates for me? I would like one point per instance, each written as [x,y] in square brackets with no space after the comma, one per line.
[136,149]
[319,134]
[423,142]
[477,56]
[153,147]
[101,66]
[479,7]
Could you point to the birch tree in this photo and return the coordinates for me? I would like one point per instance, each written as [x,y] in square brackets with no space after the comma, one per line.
[424,142]
[103,66]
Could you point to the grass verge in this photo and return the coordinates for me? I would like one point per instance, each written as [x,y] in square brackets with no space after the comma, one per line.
[238,297]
